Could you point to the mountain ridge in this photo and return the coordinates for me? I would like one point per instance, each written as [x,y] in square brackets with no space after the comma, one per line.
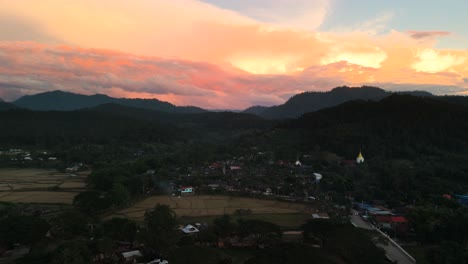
[67,101]
[306,102]
[7,106]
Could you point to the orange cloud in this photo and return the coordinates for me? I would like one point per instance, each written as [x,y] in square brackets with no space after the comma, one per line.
[28,67]
[190,52]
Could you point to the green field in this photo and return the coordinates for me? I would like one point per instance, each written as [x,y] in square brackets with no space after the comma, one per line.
[40,186]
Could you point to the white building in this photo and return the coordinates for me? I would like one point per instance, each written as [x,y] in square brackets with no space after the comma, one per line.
[360,158]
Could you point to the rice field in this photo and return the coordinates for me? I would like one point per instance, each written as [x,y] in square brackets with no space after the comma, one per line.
[205,205]
[40,185]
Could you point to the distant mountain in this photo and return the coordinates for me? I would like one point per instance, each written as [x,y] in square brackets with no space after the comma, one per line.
[1,100]
[313,101]
[417,93]
[256,110]
[65,101]
[6,106]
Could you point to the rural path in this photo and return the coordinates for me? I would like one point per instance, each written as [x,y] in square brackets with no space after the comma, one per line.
[392,251]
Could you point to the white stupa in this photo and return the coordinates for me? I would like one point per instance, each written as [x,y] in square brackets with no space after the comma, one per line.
[298,163]
[360,158]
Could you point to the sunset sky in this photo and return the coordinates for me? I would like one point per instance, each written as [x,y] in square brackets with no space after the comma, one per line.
[231,54]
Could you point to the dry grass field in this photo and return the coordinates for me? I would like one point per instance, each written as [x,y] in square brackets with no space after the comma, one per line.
[205,205]
[39,186]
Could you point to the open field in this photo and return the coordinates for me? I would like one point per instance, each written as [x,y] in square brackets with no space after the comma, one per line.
[205,205]
[39,186]
[288,221]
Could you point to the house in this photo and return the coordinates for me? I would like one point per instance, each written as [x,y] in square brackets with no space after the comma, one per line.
[186,190]
[399,224]
[131,256]
[216,165]
[320,216]
[189,229]
[235,168]
[368,209]
[462,199]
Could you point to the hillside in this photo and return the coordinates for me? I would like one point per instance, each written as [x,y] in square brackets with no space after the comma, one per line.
[313,101]
[65,101]
[52,128]
[114,123]
[212,120]
[256,110]
[6,106]
[396,126]
[414,147]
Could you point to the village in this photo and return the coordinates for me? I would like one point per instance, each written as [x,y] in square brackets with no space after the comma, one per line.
[283,189]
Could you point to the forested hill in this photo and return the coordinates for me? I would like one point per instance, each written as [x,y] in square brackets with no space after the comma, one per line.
[53,129]
[212,120]
[313,101]
[397,126]
[256,110]
[65,101]
[117,124]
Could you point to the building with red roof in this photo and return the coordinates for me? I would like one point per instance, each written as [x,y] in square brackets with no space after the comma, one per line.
[398,224]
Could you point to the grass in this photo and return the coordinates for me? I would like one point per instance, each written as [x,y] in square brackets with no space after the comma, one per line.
[207,206]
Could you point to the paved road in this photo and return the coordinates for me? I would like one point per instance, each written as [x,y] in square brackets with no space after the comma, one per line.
[392,251]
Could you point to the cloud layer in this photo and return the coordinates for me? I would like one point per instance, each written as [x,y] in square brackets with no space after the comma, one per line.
[28,67]
[191,52]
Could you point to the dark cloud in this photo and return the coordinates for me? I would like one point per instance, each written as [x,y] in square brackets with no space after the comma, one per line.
[432,88]
[427,34]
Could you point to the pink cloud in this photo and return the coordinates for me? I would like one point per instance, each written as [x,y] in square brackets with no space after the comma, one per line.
[29,67]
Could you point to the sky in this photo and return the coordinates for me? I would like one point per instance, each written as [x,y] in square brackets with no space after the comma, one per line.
[231,54]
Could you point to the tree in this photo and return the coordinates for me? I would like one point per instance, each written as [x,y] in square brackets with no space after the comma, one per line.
[161,229]
[448,252]
[120,229]
[318,229]
[92,202]
[119,194]
[69,224]
[72,252]
[104,179]
[22,229]
[224,226]
[291,253]
[195,254]
[264,232]
[207,235]
[355,246]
